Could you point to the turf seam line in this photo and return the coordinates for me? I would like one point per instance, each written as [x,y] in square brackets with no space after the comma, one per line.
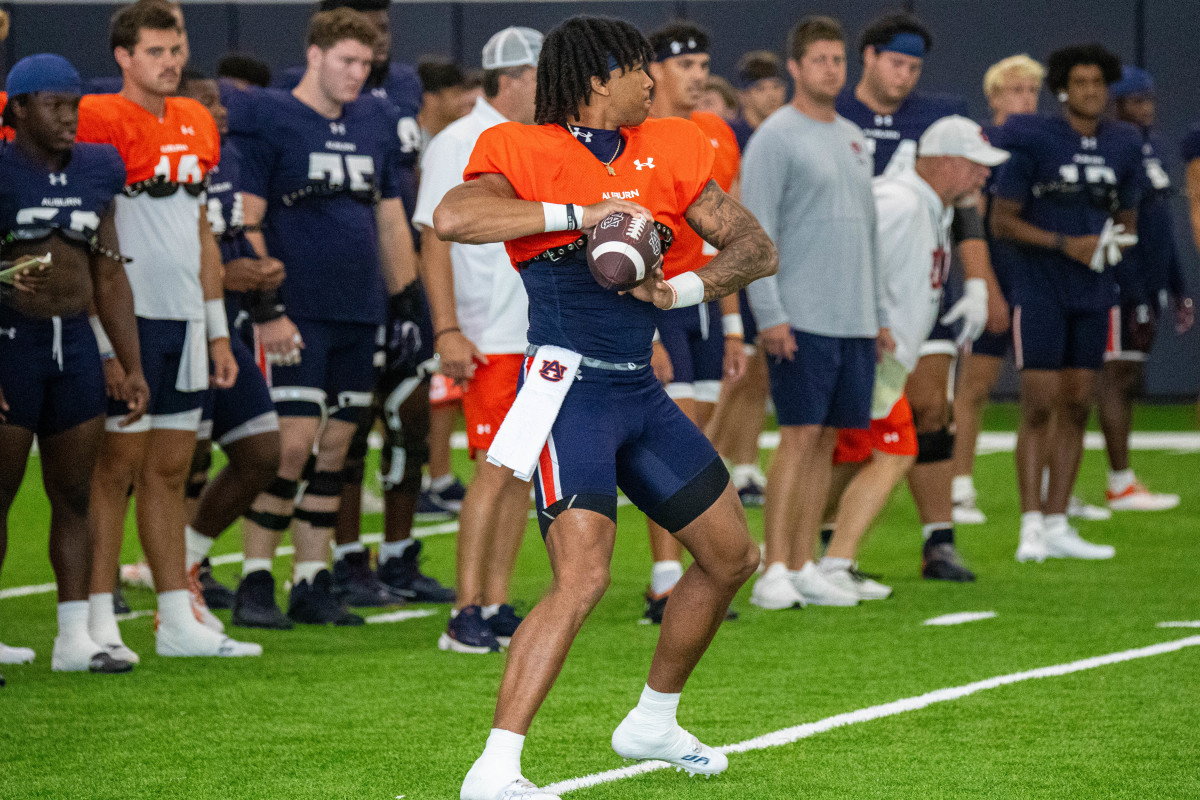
[798,732]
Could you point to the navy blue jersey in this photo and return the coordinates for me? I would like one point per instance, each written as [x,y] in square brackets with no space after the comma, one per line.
[1190,147]
[1005,255]
[893,137]
[1151,267]
[322,179]
[742,132]
[1070,184]
[225,216]
[35,202]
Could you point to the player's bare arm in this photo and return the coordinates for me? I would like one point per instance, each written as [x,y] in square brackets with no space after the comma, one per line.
[212,283]
[280,339]
[488,210]
[1007,224]
[398,259]
[113,304]
[1193,194]
[457,355]
[745,251]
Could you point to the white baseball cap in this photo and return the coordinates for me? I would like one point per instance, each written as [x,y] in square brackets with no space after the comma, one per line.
[512,47]
[958,136]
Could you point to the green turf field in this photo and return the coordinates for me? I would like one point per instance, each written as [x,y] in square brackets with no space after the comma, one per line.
[377,712]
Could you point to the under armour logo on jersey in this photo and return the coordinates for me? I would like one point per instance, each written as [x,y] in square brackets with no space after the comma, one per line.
[583,136]
[552,371]
[648,164]
[891,437]
[883,119]
[58,179]
[380,93]
[187,130]
[11,333]
[1088,143]
[337,129]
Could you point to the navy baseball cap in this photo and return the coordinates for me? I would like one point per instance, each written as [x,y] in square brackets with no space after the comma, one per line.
[43,72]
[1134,81]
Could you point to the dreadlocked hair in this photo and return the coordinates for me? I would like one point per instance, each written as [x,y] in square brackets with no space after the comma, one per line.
[577,51]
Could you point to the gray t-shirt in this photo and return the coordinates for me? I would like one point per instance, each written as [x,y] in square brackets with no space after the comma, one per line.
[809,184]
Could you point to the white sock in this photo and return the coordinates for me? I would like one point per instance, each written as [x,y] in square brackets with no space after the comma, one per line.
[73,620]
[1120,480]
[441,483]
[664,575]
[102,622]
[657,709]
[255,564]
[1054,522]
[175,608]
[393,549]
[487,612]
[503,751]
[307,570]
[198,546]
[962,489]
[828,564]
[1031,519]
[340,550]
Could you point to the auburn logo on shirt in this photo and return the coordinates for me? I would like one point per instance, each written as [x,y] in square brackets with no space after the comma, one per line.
[552,371]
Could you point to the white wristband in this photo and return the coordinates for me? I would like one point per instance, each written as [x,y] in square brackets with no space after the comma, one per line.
[657,337]
[102,343]
[560,217]
[688,290]
[214,319]
[732,325]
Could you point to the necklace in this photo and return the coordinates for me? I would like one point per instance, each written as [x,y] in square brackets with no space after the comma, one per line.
[608,164]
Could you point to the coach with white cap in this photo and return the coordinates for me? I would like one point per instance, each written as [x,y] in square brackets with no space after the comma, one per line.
[480,317]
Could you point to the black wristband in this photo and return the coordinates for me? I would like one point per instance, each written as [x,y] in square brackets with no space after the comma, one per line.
[264,306]
[406,303]
[443,331]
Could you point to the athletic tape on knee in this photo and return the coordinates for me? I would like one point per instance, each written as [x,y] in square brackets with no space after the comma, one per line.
[318,519]
[935,446]
[282,488]
[272,522]
[324,484]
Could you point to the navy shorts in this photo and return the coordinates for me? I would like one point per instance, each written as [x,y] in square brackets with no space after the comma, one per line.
[244,409]
[1131,331]
[1048,336]
[992,344]
[695,341]
[829,382]
[337,362]
[162,343]
[50,372]
[748,324]
[621,430]
[943,339]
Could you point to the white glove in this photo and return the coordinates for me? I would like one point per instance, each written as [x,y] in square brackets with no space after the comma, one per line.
[972,309]
[1108,250]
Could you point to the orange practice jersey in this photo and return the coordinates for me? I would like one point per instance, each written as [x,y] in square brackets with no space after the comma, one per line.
[690,252]
[181,147]
[6,132]
[665,165]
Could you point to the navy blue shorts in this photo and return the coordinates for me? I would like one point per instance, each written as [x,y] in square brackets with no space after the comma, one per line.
[992,344]
[943,339]
[621,430]
[162,343]
[1048,336]
[338,360]
[244,409]
[695,341]
[52,379]
[749,326]
[829,382]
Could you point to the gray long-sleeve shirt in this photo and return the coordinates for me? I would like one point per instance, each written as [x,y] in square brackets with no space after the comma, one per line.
[809,184]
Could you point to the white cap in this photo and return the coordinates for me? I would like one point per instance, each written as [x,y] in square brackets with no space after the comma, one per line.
[958,136]
[512,47]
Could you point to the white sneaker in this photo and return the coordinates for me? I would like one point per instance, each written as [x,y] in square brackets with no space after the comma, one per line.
[677,747]
[868,588]
[16,655]
[1032,546]
[816,589]
[482,784]
[1137,497]
[968,514]
[199,607]
[962,491]
[1078,509]
[197,640]
[774,590]
[84,655]
[1065,542]
[118,651]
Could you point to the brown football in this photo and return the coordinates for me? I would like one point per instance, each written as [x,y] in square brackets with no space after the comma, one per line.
[623,251]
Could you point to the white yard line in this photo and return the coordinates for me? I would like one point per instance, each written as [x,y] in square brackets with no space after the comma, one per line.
[1194,623]
[401,616]
[960,618]
[798,732]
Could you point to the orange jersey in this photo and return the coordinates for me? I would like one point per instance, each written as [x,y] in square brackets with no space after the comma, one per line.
[690,252]
[6,133]
[181,147]
[664,166]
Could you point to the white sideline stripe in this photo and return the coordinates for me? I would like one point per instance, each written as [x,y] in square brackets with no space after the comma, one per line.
[23,591]
[135,615]
[1195,623]
[401,616]
[798,732]
[960,618]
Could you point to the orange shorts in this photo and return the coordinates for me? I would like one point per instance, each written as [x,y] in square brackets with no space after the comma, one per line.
[443,391]
[488,397]
[894,435]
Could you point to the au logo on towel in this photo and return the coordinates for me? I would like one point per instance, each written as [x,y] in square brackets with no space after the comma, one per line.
[552,371]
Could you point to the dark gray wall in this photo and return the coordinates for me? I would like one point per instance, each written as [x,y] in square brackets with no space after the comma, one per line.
[970,35]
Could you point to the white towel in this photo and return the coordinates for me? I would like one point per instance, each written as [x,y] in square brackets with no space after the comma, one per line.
[193,362]
[527,425]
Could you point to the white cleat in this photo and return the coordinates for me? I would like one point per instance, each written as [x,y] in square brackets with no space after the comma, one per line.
[817,590]
[84,655]
[197,640]
[1077,509]
[856,583]
[962,490]
[199,607]
[484,782]
[1067,543]
[1032,546]
[1138,498]
[968,514]
[774,590]
[16,655]
[119,652]
[677,747]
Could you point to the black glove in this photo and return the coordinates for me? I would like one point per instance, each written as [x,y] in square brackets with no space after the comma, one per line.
[402,342]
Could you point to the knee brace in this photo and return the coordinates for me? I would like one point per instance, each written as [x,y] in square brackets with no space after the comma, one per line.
[406,433]
[935,446]
[283,489]
[321,484]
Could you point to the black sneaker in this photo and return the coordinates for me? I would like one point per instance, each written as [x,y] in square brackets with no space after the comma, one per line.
[941,562]
[504,623]
[355,584]
[752,495]
[469,633]
[656,604]
[216,594]
[120,604]
[404,576]
[254,604]
[314,603]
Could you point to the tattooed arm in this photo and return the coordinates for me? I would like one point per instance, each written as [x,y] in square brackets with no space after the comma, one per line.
[745,252]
